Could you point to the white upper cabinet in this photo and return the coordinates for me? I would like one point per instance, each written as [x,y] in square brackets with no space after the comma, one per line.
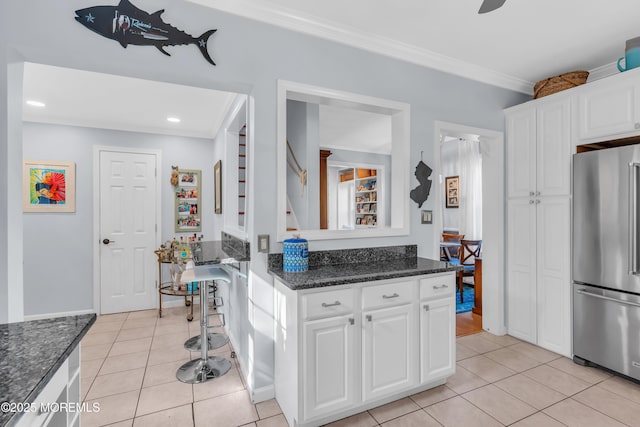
[521,152]
[608,109]
[538,149]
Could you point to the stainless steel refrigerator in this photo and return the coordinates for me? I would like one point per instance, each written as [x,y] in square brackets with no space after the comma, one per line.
[606,259]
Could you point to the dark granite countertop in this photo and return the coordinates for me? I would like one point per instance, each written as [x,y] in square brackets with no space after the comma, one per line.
[340,274]
[31,353]
[229,250]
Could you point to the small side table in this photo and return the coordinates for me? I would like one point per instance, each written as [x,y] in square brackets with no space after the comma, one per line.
[166,288]
[477,284]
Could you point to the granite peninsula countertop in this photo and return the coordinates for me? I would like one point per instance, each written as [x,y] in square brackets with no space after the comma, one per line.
[31,353]
[354,272]
[229,250]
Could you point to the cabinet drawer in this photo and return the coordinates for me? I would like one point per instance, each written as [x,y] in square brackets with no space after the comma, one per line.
[437,286]
[388,294]
[327,304]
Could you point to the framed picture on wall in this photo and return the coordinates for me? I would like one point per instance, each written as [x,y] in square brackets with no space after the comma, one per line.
[217,178]
[188,201]
[452,191]
[48,186]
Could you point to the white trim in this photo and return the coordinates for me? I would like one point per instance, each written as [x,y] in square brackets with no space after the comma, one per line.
[262,394]
[97,149]
[493,296]
[400,113]
[603,71]
[296,21]
[61,314]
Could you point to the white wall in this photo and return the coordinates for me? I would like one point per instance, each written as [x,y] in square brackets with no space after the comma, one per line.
[450,166]
[251,57]
[58,247]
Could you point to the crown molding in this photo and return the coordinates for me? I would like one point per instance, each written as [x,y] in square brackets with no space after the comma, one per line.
[603,71]
[269,13]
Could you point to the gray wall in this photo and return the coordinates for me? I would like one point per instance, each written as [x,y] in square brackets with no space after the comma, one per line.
[58,247]
[251,57]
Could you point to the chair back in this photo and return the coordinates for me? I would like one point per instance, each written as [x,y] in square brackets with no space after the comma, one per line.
[448,237]
[470,250]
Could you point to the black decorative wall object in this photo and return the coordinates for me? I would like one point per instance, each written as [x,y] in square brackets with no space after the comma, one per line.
[421,192]
[127,25]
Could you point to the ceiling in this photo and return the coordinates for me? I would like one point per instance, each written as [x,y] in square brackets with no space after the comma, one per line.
[513,47]
[88,99]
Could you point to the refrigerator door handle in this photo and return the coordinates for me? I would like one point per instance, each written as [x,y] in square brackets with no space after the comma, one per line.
[584,292]
[633,218]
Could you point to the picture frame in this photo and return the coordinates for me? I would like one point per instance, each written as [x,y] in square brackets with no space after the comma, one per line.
[452,191]
[217,185]
[48,186]
[188,205]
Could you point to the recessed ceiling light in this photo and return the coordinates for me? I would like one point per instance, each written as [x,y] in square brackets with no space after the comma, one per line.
[36,103]
[173,119]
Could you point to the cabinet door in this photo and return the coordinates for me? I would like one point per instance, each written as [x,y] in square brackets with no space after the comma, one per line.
[388,350]
[437,339]
[607,110]
[329,372]
[521,269]
[553,158]
[521,152]
[553,275]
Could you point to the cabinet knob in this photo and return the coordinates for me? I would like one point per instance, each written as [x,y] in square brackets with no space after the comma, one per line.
[537,202]
[531,202]
[531,193]
[369,318]
[637,125]
[426,307]
[537,193]
[395,295]
[436,287]
[352,321]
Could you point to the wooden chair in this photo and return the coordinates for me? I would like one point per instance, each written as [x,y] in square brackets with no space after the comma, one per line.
[469,250]
[454,252]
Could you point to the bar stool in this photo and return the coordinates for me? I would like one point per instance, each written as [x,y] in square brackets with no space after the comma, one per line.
[206,367]
[216,340]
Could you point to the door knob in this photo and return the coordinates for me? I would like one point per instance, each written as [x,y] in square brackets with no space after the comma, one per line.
[107,241]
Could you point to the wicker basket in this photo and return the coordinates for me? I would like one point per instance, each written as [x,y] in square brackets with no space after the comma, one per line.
[559,83]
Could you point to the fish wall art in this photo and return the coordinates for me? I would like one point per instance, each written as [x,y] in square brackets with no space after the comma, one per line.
[127,25]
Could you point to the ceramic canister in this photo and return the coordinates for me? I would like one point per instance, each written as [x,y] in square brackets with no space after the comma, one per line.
[295,255]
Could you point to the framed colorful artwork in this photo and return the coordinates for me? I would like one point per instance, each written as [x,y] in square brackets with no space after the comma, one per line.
[48,186]
[188,201]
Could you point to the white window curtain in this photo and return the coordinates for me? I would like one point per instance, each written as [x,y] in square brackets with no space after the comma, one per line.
[470,189]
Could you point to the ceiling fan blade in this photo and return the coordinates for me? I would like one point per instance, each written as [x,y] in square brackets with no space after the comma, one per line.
[490,5]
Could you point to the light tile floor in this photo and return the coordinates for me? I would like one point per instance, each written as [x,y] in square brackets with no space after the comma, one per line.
[129,361]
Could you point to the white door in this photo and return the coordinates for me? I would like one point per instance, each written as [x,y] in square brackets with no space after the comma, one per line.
[553,157]
[554,275]
[521,152]
[437,339]
[521,269]
[127,231]
[389,351]
[329,365]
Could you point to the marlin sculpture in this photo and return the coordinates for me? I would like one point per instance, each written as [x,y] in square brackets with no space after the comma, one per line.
[127,25]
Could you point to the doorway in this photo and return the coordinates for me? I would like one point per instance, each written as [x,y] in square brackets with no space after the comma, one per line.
[483,186]
[129,211]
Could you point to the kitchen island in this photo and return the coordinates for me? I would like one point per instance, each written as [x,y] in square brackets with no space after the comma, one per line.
[361,328]
[40,364]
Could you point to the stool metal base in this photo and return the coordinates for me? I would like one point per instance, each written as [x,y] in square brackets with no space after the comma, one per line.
[199,370]
[216,340]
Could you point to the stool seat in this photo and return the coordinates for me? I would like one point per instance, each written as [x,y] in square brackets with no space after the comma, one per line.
[201,273]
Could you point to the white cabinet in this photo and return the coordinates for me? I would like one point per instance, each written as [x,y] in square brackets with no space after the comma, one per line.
[388,351]
[538,224]
[340,350]
[437,339]
[608,109]
[539,149]
[329,369]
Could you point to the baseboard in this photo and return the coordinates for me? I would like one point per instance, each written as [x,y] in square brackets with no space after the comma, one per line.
[61,314]
[263,393]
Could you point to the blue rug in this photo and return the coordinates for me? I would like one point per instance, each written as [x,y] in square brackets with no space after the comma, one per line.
[467,305]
